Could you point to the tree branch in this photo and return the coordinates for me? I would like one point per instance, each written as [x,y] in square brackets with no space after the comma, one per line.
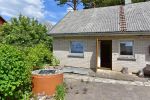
[78,3]
[69,5]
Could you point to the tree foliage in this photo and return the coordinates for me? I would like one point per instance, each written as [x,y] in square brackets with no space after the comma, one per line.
[40,55]
[15,73]
[103,3]
[93,3]
[24,32]
[72,3]
[135,1]
[100,3]
[89,3]
[31,37]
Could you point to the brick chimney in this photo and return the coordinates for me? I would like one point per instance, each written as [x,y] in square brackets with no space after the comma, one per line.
[128,2]
[122,19]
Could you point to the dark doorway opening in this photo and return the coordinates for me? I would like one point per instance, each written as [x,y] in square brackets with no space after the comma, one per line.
[106,53]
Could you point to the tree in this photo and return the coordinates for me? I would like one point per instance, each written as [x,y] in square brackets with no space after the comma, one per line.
[100,3]
[135,1]
[88,3]
[72,3]
[24,32]
[103,3]
[93,3]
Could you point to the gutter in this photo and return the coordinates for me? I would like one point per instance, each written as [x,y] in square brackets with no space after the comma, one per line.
[142,33]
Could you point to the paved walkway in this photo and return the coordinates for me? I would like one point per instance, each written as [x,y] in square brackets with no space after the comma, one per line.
[79,90]
[103,80]
[108,74]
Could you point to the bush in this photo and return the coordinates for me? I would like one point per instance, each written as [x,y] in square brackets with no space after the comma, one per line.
[24,31]
[14,73]
[60,92]
[41,55]
[54,61]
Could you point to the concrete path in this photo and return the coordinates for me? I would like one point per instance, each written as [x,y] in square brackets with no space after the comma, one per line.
[79,90]
[103,80]
[108,74]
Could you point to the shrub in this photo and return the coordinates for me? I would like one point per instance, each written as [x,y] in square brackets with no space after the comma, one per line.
[54,61]
[41,55]
[14,73]
[60,92]
[24,31]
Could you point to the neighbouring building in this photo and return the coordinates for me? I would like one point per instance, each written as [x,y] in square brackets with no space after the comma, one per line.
[109,37]
[2,21]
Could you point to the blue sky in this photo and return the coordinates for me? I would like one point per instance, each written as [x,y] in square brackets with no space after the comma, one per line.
[43,10]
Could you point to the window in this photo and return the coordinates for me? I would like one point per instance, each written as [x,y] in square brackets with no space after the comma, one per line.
[126,48]
[76,48]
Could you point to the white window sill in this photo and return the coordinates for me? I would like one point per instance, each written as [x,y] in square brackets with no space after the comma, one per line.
[126,58]
[77,55]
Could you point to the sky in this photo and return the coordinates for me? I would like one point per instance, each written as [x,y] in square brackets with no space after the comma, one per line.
[43,10]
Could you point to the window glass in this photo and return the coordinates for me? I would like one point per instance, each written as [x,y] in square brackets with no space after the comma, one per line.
[76,47]
[126,48]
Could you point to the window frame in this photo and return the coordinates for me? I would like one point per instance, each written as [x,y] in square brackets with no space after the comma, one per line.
[126,56]
[81,55]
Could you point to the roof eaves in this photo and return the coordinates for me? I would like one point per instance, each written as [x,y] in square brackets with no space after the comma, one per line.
[102,33]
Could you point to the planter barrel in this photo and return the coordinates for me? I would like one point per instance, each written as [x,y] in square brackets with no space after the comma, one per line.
[46,84]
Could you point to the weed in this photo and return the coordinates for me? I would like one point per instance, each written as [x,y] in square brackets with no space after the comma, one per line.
[60,92]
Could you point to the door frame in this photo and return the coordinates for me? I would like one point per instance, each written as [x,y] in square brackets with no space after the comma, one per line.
[98,57]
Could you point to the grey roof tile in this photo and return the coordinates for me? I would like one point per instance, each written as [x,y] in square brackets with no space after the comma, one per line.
[138,16]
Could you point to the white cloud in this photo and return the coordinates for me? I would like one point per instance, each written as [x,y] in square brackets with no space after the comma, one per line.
[53,22]
[51,14]
[55,16]
[69,9]
[31,8]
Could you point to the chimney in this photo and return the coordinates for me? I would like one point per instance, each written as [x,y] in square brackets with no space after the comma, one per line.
[128,2]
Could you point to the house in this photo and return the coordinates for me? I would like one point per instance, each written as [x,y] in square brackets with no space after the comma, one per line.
[2,20]
[108,38]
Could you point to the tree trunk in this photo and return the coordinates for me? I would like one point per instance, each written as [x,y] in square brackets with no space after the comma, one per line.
[74,4]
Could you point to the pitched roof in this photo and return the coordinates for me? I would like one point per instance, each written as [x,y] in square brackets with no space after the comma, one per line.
[138,16]
[48,25]
[2,18]
[106,19]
